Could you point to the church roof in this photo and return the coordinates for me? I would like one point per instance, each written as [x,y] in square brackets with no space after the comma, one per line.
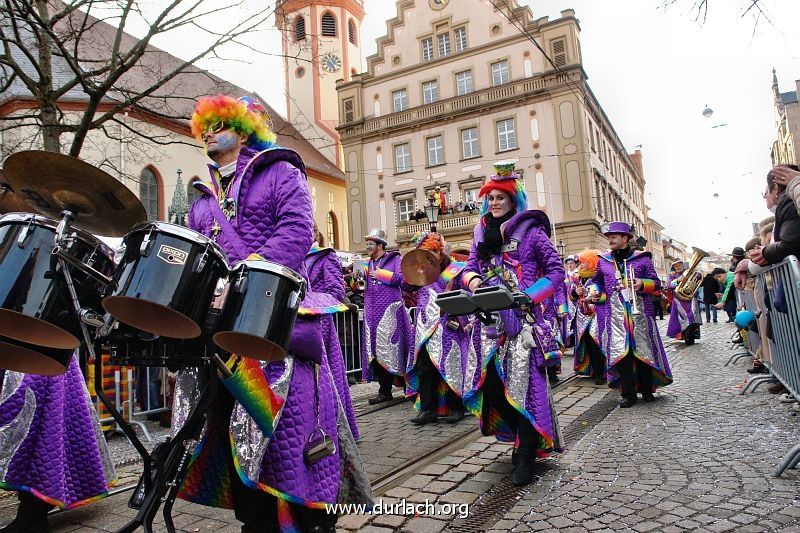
[789,98]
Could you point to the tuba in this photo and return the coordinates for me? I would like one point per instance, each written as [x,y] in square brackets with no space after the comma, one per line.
[691,279]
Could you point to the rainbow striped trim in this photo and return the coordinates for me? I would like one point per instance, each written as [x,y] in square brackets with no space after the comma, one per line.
[563,309]
[255,257]
[319,311]
[552,356]
[648,285]
[540,290]
[452,271]
[51,501]
[383,275]
[250,387]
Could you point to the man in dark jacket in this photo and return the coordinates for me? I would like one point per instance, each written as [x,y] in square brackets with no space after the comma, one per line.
[710,289]
[786,233]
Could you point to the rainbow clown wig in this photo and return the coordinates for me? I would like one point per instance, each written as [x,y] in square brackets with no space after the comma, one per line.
[433,242]
[506,180]
[587,262]
[246,115]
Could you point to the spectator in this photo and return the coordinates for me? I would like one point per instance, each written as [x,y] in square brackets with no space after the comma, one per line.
[725,280]
[710,288]
[786,232]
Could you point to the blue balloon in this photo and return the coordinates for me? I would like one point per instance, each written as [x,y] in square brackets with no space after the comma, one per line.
[744,318]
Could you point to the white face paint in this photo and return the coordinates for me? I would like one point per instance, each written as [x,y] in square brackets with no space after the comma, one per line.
[499,203]
[373,249]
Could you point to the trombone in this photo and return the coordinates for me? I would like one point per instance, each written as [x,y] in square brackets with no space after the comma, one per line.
[630,279]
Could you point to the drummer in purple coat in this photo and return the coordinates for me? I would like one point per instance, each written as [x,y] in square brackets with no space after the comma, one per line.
[685,318]
[438,357]
[507,386]
[324,271]
[387,326]
[636,361]
[258,205]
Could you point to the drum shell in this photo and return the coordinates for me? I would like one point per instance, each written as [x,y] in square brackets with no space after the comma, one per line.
[128,346]
[262,304]
[27,285]
[175,283]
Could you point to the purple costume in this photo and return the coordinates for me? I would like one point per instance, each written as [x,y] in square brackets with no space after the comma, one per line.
[387,326]
[51,444]
[527,254]
[683,313]
[445,340]
[621,331]
[325,275]
[586,331]
[274,220]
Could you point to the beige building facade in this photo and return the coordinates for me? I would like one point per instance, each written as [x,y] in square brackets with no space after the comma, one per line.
[656,247]
[455,86]
[786,148]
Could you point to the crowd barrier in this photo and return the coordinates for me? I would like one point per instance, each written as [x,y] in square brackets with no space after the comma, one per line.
[350,327]
[779,287]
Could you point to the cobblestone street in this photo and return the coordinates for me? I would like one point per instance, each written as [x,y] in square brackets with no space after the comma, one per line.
[699,458]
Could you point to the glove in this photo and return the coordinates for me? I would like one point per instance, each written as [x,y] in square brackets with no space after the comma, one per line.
[527,338]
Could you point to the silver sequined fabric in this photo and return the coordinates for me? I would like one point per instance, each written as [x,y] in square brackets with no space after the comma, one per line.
[13,434]
[388,352]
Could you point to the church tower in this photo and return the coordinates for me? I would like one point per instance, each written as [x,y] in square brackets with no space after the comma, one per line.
[321,44]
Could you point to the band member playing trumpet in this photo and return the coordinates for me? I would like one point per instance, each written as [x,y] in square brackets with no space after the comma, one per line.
[437,361]
[684,316]
[387,326]
[636,360]
[589,357]
[271,472]
[507,387]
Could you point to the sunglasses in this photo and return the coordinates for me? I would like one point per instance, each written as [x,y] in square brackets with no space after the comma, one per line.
[215,127]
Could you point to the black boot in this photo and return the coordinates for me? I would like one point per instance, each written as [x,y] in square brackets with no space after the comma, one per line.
[526,454]
[424,417]
[31,516]
[627,401]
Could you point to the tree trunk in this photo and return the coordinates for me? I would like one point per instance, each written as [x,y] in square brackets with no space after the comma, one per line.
[48,112]
[51,130]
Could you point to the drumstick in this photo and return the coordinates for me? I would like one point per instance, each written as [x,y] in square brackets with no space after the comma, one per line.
[226,372]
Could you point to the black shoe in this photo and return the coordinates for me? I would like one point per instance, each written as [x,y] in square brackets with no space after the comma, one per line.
[758,369]
[31,516]
[380,398]
[599,380]
[627,401]
[424,417]
[553,378]
[455,416]
[526,455]
[648,397]
[730,320]
[715,322]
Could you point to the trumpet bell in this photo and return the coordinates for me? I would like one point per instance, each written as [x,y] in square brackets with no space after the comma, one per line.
[420,267]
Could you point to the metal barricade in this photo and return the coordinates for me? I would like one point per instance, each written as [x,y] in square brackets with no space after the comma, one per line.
[780,285]
[350,328]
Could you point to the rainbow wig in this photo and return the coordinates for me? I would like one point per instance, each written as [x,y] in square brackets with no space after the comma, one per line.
[513,187]
[587,262]
[246,115]
[426,240]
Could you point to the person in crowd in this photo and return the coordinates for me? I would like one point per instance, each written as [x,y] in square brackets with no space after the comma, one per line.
[658,304]
[725,281]
[387,328]
[257,206]
[727,299]
[436,364]
[635,357]
[589,357]
[710,289]
[684,318]
[568,335]
[786,230]
[324,272]
[511,247]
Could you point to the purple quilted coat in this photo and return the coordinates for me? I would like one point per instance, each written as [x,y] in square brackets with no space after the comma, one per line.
[51,444]
[522,371]
[682,313]
[620,330]
[387,326]
[324,272]
[275,220]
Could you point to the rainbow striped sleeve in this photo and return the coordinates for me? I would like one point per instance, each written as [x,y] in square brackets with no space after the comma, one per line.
[451,271]
[540,290]
[594,287]
[383,275]
[467,278]
[648,286]
[250,387]
[563,309]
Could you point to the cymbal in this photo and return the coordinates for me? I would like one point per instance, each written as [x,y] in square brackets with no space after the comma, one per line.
[420,267]
[10,202]
[49,183]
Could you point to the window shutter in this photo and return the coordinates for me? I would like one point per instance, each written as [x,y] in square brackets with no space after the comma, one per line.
[559,47]
[328,25]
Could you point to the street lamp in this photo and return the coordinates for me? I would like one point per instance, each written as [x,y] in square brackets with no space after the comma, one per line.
[561,249]
[707,112]
[432,212]
[641,242]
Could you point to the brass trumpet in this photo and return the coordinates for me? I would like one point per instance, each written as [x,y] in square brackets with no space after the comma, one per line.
[630,279]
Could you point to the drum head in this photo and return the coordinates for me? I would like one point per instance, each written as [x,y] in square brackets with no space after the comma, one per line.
[32,330]
[151,317]
[248,345]
[21,357]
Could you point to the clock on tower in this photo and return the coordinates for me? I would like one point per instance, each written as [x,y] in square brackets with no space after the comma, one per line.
[330,62]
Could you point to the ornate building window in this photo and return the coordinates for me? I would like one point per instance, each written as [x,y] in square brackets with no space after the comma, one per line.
[402,158]
[506,135]
[460,38]
[332,230]
[469,143]
[427,49]
[149,192]
[400,100]
[464,82]
[430,92]
[328,25]
[435,150]
[443,42]
[500,74]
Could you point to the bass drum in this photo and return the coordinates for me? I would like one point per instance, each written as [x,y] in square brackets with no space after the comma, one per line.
[35,306]
[166,280]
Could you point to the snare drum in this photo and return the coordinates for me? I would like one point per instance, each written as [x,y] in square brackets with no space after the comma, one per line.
[35,306]
[166,280]
[260,311]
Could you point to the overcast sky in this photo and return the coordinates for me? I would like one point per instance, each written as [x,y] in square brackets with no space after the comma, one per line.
[654,71]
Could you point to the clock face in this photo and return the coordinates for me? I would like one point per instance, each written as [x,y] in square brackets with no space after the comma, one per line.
[438,4]
[330,62]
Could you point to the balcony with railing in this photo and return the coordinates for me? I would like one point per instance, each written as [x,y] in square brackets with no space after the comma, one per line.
[446,226]
[458,104]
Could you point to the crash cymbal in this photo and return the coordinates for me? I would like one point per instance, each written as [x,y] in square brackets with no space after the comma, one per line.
[49,183]
[10,202]
[420,267]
